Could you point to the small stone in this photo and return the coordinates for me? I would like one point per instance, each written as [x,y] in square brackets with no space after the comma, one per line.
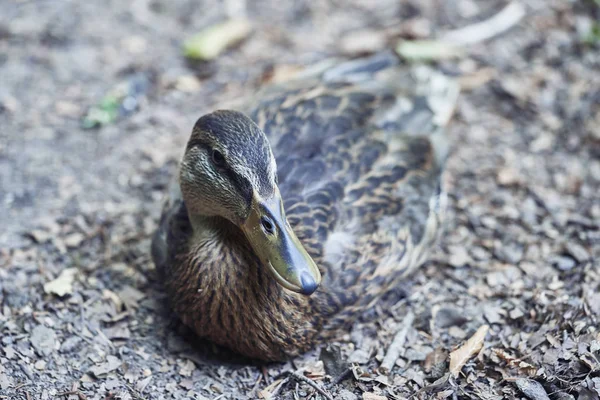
[5,382]
[373,396]
[593,300]
[556,284]
[43,340]
[363,42]
[447,316]
[117,332]
[187,84]
[130,296]
[359,356]
[70,344]
[40,365]
[187,384]
[135,44]
[67,109]
[346,395]
[516,313]
[508,176]
[459,257]
[9,352]
[414,355]
[171,387]
[457,332]
[111,384]
[512,253]
[141,385]
[40,236]
[564,263]
[542,143]
[578,252]
[186,367]
[112,363]
[74,240]
[492,314]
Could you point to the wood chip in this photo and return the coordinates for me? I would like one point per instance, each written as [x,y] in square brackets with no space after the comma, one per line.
[460,356]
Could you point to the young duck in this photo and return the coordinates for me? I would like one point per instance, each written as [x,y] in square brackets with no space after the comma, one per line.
[288,222]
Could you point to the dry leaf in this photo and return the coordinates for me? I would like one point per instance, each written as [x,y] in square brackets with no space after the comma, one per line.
[266,393]
[426,50]
[460,356]
[209,43]
[281,73]
[62,285]
[112,363]
[435,358]
[515,362]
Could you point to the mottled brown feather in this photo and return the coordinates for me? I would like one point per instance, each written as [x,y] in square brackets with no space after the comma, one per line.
[360,151]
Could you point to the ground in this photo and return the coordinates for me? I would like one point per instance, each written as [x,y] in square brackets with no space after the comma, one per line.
[513,289]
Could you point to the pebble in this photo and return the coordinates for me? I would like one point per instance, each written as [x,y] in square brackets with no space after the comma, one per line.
[564,263]
[447,317]
[70,344]
[359,356]
[578,252]
[43,340]
[346,395]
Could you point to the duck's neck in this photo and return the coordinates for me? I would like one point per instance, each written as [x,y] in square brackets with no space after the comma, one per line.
[237,303]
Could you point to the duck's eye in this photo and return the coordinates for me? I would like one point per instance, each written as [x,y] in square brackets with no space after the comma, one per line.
[218,158]
[267,225]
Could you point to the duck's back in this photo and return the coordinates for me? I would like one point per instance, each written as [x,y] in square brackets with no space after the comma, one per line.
[360,149]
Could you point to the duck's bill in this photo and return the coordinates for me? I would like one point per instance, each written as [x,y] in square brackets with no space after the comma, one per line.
[278,247]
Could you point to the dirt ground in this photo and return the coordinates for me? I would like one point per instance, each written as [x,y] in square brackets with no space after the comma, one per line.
[81,312]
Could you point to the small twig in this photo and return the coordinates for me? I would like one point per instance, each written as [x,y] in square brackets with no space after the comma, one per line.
[438,385]
[20,385]
[277,389]
[301,378]
[398,342]
[134,393]
[255,387]
[72,392]
[26,371]
[484,30]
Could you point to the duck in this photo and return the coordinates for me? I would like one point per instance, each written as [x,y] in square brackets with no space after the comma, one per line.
[295,213]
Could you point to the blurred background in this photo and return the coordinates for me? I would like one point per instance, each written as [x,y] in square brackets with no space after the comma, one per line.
[67,65]
[97,100]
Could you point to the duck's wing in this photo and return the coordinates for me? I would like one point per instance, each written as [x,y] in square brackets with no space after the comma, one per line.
[360,149]
[172,233]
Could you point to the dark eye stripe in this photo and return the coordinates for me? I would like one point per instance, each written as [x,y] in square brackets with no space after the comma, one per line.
[242,184]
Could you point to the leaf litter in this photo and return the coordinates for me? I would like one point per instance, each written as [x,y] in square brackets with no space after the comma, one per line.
[518,255]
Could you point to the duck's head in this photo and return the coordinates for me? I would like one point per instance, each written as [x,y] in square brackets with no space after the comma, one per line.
[229,171]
